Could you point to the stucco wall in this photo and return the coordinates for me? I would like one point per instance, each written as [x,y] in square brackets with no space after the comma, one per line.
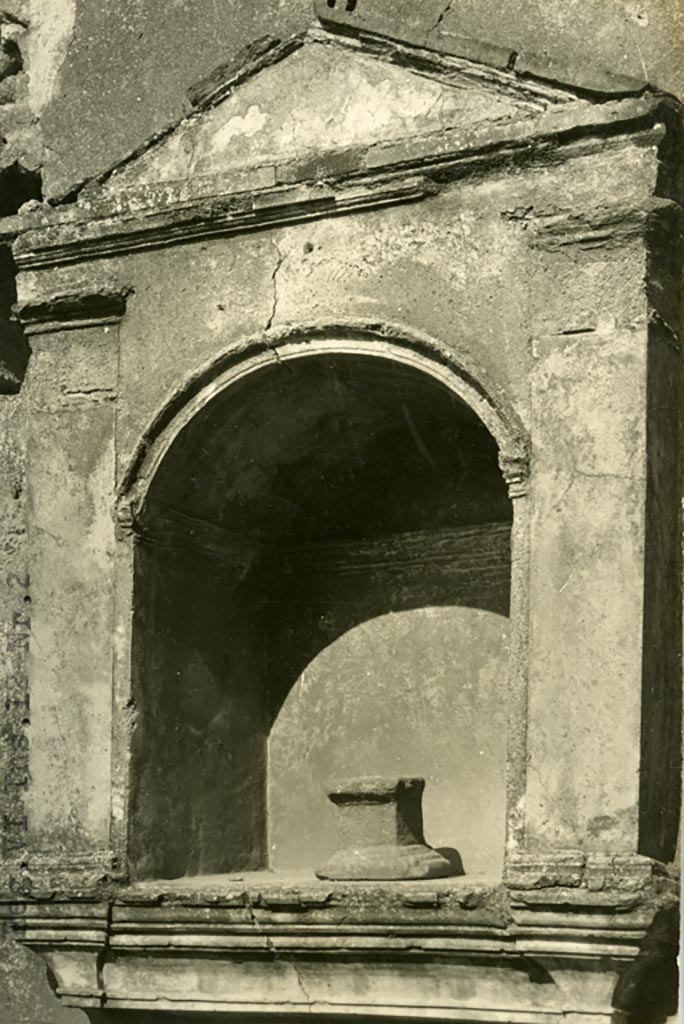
[457,268]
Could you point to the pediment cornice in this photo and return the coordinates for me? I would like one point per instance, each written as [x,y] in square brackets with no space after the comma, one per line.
[150,216]
[319,125]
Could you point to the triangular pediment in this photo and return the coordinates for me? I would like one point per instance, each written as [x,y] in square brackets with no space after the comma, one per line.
[328,95]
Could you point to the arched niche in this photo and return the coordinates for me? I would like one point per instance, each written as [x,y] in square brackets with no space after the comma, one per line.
[321,586]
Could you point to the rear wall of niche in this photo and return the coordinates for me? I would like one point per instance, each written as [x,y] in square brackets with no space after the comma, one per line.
[322,582]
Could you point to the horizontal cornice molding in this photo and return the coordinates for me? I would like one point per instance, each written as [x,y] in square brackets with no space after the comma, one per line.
[102,952]
[68,310]
[107,223]
[472,922]
[603,227]
[227,214]
[372,25]
[98,947]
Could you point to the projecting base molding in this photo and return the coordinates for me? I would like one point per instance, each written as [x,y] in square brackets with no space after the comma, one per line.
[438,950]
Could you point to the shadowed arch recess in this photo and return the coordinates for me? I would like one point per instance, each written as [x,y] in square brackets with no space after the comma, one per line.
[452,365]
[324,542]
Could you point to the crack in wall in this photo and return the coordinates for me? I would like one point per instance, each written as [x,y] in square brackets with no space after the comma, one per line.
[587,474]
[274,284]
[271,948]
[439,21]
[280,259]
[302,987]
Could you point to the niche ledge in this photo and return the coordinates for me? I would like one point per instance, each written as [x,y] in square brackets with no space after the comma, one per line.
[463,949]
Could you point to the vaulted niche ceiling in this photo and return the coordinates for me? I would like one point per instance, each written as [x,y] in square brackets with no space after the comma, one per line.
[335,448]
[321,587]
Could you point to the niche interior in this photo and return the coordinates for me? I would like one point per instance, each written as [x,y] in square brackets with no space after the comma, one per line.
[322,578]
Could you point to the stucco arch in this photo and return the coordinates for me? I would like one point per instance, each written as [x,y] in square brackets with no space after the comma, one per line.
[451,365]
[144,495]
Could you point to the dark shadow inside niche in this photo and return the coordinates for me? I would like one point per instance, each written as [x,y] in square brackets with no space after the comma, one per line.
[321,587]
[14,347]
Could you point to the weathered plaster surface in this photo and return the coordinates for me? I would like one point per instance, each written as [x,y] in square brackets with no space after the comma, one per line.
[641,40]
[125,73]
[130,68]
[25,993]
[72,385]
[321,98]
[590,461]
[52,25]
[218,294]
[16,619]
